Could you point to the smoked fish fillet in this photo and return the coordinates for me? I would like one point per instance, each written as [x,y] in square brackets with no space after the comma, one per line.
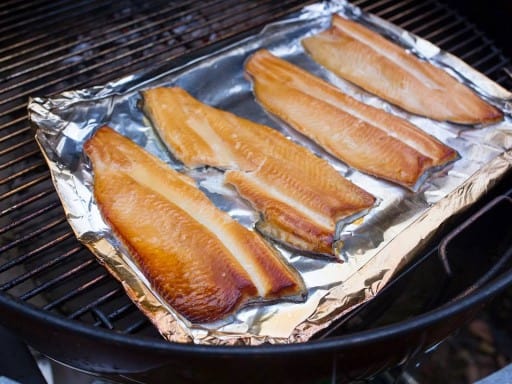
[299,195]
[381,67]
[364,137]
[197,258]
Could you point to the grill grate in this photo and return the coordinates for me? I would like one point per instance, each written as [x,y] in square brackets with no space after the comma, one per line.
[94,42]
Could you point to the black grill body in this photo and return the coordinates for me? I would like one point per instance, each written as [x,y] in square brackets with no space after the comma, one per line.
[56,296]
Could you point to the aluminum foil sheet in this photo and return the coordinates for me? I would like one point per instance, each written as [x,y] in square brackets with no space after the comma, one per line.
[374,247]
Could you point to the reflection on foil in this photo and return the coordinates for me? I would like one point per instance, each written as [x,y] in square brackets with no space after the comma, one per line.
[373,247]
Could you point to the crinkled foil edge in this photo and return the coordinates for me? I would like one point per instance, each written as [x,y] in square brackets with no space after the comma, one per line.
[369,280]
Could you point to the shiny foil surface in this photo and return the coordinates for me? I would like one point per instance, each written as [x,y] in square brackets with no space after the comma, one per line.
[372,248]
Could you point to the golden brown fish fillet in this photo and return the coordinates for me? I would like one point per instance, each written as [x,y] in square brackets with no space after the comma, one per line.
[201,261]
[300,196]
[377,65]
[364,137]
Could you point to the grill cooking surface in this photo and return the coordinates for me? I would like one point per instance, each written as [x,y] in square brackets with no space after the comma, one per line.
[50,47]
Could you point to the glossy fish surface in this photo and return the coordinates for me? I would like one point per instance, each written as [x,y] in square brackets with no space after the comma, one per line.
[363,57]
[364,137]
[195,256]
[299,195]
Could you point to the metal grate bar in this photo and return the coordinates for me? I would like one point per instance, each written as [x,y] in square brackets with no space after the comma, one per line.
[425,26]
[18,206]
[25,186]
[75,292]
[59,280]
[499,67]
[468,54]
[405,8]
[19,159]
[22,258]
[489,58]
[454,25]
[505,77]
[17,108]
[118,28]
[13,122]
[135,326]
[104,42]
[93,304]
[377,4]
[430,13]
[10,7]
[45,18]
[41,12]
[33,233]
[16,146]
[25,171]
[33,272]
[119,312]
[103,319]
[121,34]
[11,51]
[138,64]
[61,78]
[14,134]
[454,36]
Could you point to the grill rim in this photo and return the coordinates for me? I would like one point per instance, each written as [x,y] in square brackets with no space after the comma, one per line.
[336,343]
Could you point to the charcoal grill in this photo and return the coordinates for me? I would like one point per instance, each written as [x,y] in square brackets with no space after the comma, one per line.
[57,298]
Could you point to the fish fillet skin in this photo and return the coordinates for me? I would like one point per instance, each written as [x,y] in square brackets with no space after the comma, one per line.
[364,137]
[377,65]
[197,258]
[299,195]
